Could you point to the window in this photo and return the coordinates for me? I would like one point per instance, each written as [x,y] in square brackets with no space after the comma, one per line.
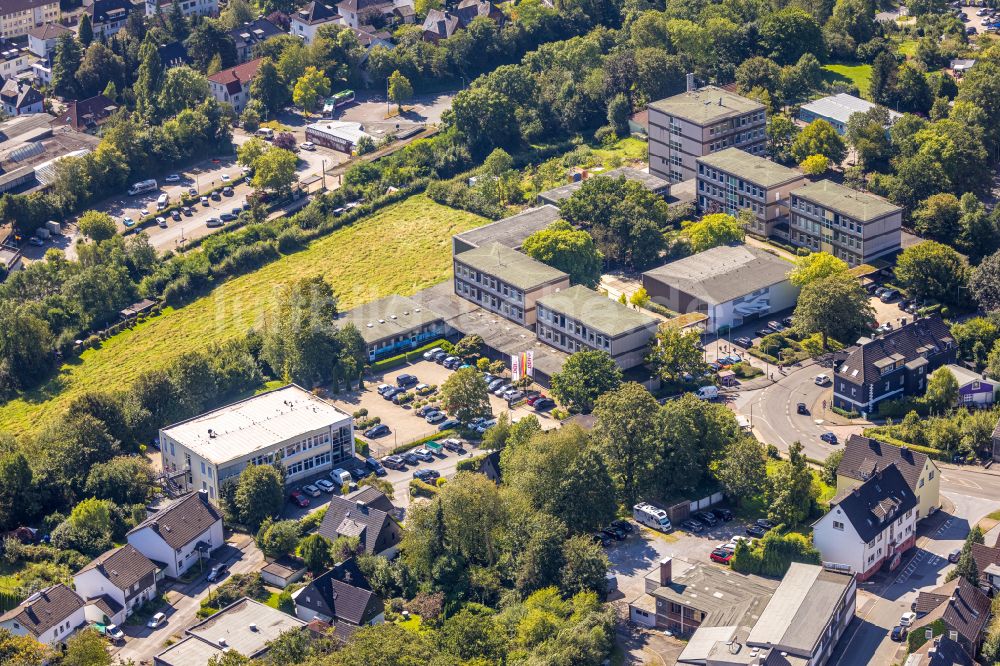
[837,525]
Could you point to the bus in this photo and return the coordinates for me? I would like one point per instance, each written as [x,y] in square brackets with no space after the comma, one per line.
[142,186]
[338,100]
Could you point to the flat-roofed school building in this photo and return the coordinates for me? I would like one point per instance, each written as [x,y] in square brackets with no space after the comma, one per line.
[394,325]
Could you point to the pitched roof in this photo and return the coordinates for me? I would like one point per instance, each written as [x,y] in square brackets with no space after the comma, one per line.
[182,520]
[254,32]
[906,344]
[109,11]
[84,113]
[105,604]
[356,515]
[343,593]
[362,5]
[963,607]
[985,556]
[236,77]
[842,106]
[45,609]
[876,502]
[48,31]
[724,273]
[442,24]
[314,13]
[123,567]
[928,600]
[864,456]
[963,375]
[371,497]
[942,651]
[19,94]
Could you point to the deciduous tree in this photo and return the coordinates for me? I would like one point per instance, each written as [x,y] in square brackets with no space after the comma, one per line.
[790,495]
[259,495]
[465,396]
[97,226]
[816,266]
[572,251]
[835,306]
[932,270]
[819,138]
[743,469]
[311,87]
[942,390]
[626,432]
[585,376]
[675,352]
[400,89]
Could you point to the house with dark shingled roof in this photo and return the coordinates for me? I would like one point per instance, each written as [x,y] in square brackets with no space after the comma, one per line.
[342,596]
[127,579]
[180,534]
[50,616]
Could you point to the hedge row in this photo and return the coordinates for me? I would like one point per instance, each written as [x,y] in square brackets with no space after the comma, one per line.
[420,489]
[470,464]
[444,434]
[404,358]
[876,434]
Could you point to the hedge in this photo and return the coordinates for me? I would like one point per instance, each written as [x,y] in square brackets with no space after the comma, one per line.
[420,489]
[470,464]
[916,637]
[404,358]
[876,434]
[846,414]
[444,434]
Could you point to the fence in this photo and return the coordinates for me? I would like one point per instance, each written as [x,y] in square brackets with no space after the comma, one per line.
[9,600]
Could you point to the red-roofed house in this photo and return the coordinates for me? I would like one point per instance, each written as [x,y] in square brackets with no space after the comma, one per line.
[233,85]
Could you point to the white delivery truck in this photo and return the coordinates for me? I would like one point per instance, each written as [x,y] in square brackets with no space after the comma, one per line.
[651,516]
[142,186]
[707,393]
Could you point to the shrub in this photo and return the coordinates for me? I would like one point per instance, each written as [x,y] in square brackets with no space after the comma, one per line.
[773,554]
[470,464]
[420,489]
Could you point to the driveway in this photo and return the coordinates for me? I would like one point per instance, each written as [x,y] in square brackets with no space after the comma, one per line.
[371,107]
[184,600]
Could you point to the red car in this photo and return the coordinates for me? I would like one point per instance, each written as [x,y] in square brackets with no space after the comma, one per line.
[721,555]
[534,398]
[299,499]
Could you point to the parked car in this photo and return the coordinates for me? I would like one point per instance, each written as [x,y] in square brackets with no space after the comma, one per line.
[390,392]
[172,178]
[898,633]
[188,211]
[503,388]
[615,533]
[722,513]
[375,467]
[954,555]
[410,459]
[311,490]
[380,430]
[423,389]
[907,618]
[775,326]
[513,396]
[706,518]
[382,388]
[744,342]
[692,526]
[358,473]
[156,620]
[424,454]
[426,475]
[453,444]
[435,417]
[213,222]
[787,321]
[217,572]
[755,531]
[297,498]
[623,524]
[496,383]
[828,437]
[802,409]
[326,485]
[175,215]
[114,633]
[822,379]
[544,403]
[888,295]
[215,196]
[483,427]
[393,462]
[401,397]
[227,217]
[532,399]
[429,354]
[449,425]
[765,523]
[601,539]
[38,242]
[452,362]
[405,380]
[721,555]
[764,332]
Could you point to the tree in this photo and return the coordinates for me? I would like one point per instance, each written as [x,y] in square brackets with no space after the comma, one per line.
[541,558]
[830,465]
[815,165]
[251,150]
[275,170]
[469,346]
[125,480]
[486,120]
[626,432]
[938,217]
[284,140]
[236,13]
[267,88]
[85,33]
[789,34]
[984,282]
[585,567]
[693,436]
[229,657]
[675,353]
[942,390]
[781,132]
[86,648]
[149,81]
[993,361]
[400,89]
[819,138]
[789,495]
[585,376]
[464,395]
[572,251]
[183,88]
[713,230]
[816,266]
[18,497]
[932,270]
[582,501]
[743,469]
[835,306]
[315,552]
[65,65]
[618,115]
[278,538]
[97,226]
[310,88]
[302,344]
[20,650]
[207,41]
[967,567]
[866,133]
[260,494]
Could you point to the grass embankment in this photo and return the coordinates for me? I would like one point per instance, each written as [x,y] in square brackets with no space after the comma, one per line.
[859,75]
[400,249]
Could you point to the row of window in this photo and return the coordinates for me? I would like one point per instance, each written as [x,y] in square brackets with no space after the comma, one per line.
[490,282]
[731,203]
[742,121]
[308,464]
[738,140]
[310,442]
[489,301]
[573,327]
[837,220]
[731,182]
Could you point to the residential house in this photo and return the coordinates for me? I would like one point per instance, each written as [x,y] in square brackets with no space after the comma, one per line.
[489,467]
[42,39]
[393,325]
[188,7]
[442,24]
[50,616]
[233,85]
[246,626]
[893,365]
[851,225]
[15,60]
[356,13]
[341,596]
[109,16]
[695,123]
[180,534]
[728,284]
[504,281]
[733,180]
[940,651]
[987,564]
[962,607]
[974,390]
[959,66]
[86,115]
[510,231]
[367,514]
[838,109]
[287,425]
[18,97]
[123,578]
[578,318]
[863,457]
[307,21]
[870,525]
[249,35]
[18,17]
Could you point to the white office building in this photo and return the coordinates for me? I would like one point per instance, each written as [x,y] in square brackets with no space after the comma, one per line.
[288,425]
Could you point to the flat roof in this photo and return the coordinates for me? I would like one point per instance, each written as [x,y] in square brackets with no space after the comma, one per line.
[798,613]
[841,107]
[511,266]
[232,624]
[862,206]
[254,424]
[340,129]
[512,231]
[722,274]
[189,651]
[649,181]
[706,105]
[387,317]
[596,311]
[752,168]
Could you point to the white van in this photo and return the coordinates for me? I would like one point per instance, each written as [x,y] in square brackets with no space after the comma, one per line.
[651,516]
[162,202]
[707,393]
[265,133]
[340,476]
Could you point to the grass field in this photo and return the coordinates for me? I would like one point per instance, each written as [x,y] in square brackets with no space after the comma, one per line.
[859,75]
[398,250]
[907,47]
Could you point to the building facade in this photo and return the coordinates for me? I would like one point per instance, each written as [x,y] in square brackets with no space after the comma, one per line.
[733,180]
[851,225]
[394,325]
[250,34]
[578,319]
[188,7]
[504,281]
[124,575]
[42,39]
[837,110]
[107,17]
[863,457]
[18,17]
[289,425]
[19,97]
[50,616]
[233,85]
[307,21]
[696,123]
[180,534]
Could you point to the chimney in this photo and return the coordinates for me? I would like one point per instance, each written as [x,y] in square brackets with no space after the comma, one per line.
[442,29]
[362,507]
[203,496]
[690,82]
[666,571]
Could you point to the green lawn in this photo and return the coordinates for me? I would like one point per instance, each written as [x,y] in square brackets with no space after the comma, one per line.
[859,75]
[629,149]
[907,47]
[400,249]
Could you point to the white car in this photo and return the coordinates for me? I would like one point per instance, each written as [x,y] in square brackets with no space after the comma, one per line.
[307,145]
[424,454]
[310,490]
[162,222]
[822,380]
[226,178]
[907,618]
[144,212]
[326,486]
[173,178]
[156,620]
[114,632]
